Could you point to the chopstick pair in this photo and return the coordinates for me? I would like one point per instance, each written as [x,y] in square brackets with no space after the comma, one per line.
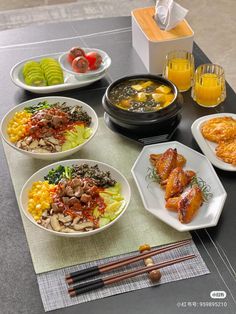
[77,276]
[99,283]
[82,274]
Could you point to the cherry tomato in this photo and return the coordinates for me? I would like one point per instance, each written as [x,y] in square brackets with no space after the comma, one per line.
[94,59]
[74,53]
[80,65]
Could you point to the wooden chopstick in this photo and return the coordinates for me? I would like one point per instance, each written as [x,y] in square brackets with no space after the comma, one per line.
[97,270]
[99,283]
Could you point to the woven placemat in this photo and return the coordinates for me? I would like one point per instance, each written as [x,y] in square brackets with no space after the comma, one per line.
[136,226]
[53,288]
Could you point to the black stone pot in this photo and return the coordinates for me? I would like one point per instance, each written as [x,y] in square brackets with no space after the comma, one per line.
[143,122]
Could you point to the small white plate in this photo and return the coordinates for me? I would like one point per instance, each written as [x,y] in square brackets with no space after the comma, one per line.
[153,195]
[208,147]
[66,66]
[39,176]
[70,82]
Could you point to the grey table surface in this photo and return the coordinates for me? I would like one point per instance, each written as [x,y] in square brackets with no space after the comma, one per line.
[19,292]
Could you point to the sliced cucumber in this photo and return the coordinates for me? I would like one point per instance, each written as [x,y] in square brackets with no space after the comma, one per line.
[46,72]
[29,65]
[103,221]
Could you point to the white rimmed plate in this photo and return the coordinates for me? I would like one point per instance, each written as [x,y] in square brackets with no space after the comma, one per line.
[208,147]
[106,62]
[70,82]
[39,176]
[51,99]
[153,195]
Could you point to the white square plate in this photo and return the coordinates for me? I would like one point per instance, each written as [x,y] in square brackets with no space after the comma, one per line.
[208,147]
[153,195]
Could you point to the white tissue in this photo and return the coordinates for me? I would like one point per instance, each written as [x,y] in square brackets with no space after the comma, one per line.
[168,14]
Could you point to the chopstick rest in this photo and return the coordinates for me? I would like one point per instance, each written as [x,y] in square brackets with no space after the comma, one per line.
[80,275]
[99,283]
[154,275]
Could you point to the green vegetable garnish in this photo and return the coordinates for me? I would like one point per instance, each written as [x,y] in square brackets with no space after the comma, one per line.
[205,188]
[152,176]
[60,172]
[35,108]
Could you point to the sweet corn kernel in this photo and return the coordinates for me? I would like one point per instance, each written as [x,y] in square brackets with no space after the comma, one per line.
[16,128]
[40,198]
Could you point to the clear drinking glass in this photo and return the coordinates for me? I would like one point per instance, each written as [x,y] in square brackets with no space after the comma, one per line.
[179,69]
[209,85]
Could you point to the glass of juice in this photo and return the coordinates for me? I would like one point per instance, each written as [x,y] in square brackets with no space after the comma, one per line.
[179,69]
[209,85]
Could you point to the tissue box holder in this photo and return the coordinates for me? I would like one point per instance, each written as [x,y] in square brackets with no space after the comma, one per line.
[152,44]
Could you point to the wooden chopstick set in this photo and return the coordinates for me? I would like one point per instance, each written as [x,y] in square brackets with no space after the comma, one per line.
[77,288]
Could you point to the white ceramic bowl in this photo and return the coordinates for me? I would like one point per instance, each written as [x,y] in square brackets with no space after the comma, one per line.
[49,156]
[39,175]
[106,62]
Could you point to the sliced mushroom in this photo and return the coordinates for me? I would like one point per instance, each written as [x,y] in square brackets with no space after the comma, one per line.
[41,142]
[53,140]
[55,223]
[58,148]
[22,144]
[45,214]
[18,144]
[28,140]
[89,229]
[34,144]
[83,225]
[64,219]
[45,223]
[75,221]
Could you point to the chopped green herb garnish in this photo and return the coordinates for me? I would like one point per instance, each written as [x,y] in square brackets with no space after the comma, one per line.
[152,176]
[205,188]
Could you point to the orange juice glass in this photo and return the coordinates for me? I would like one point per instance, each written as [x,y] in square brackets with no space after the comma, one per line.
[179,69]
[209,85]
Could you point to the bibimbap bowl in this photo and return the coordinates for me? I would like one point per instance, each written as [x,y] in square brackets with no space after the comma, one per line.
[49,127]
[123,102]
[75,198]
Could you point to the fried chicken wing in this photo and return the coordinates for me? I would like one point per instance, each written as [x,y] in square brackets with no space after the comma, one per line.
[219,129]
[227,151]
[190,174]
[189,203]
[176,182]
[166,163]
[172,203]
[180,159]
